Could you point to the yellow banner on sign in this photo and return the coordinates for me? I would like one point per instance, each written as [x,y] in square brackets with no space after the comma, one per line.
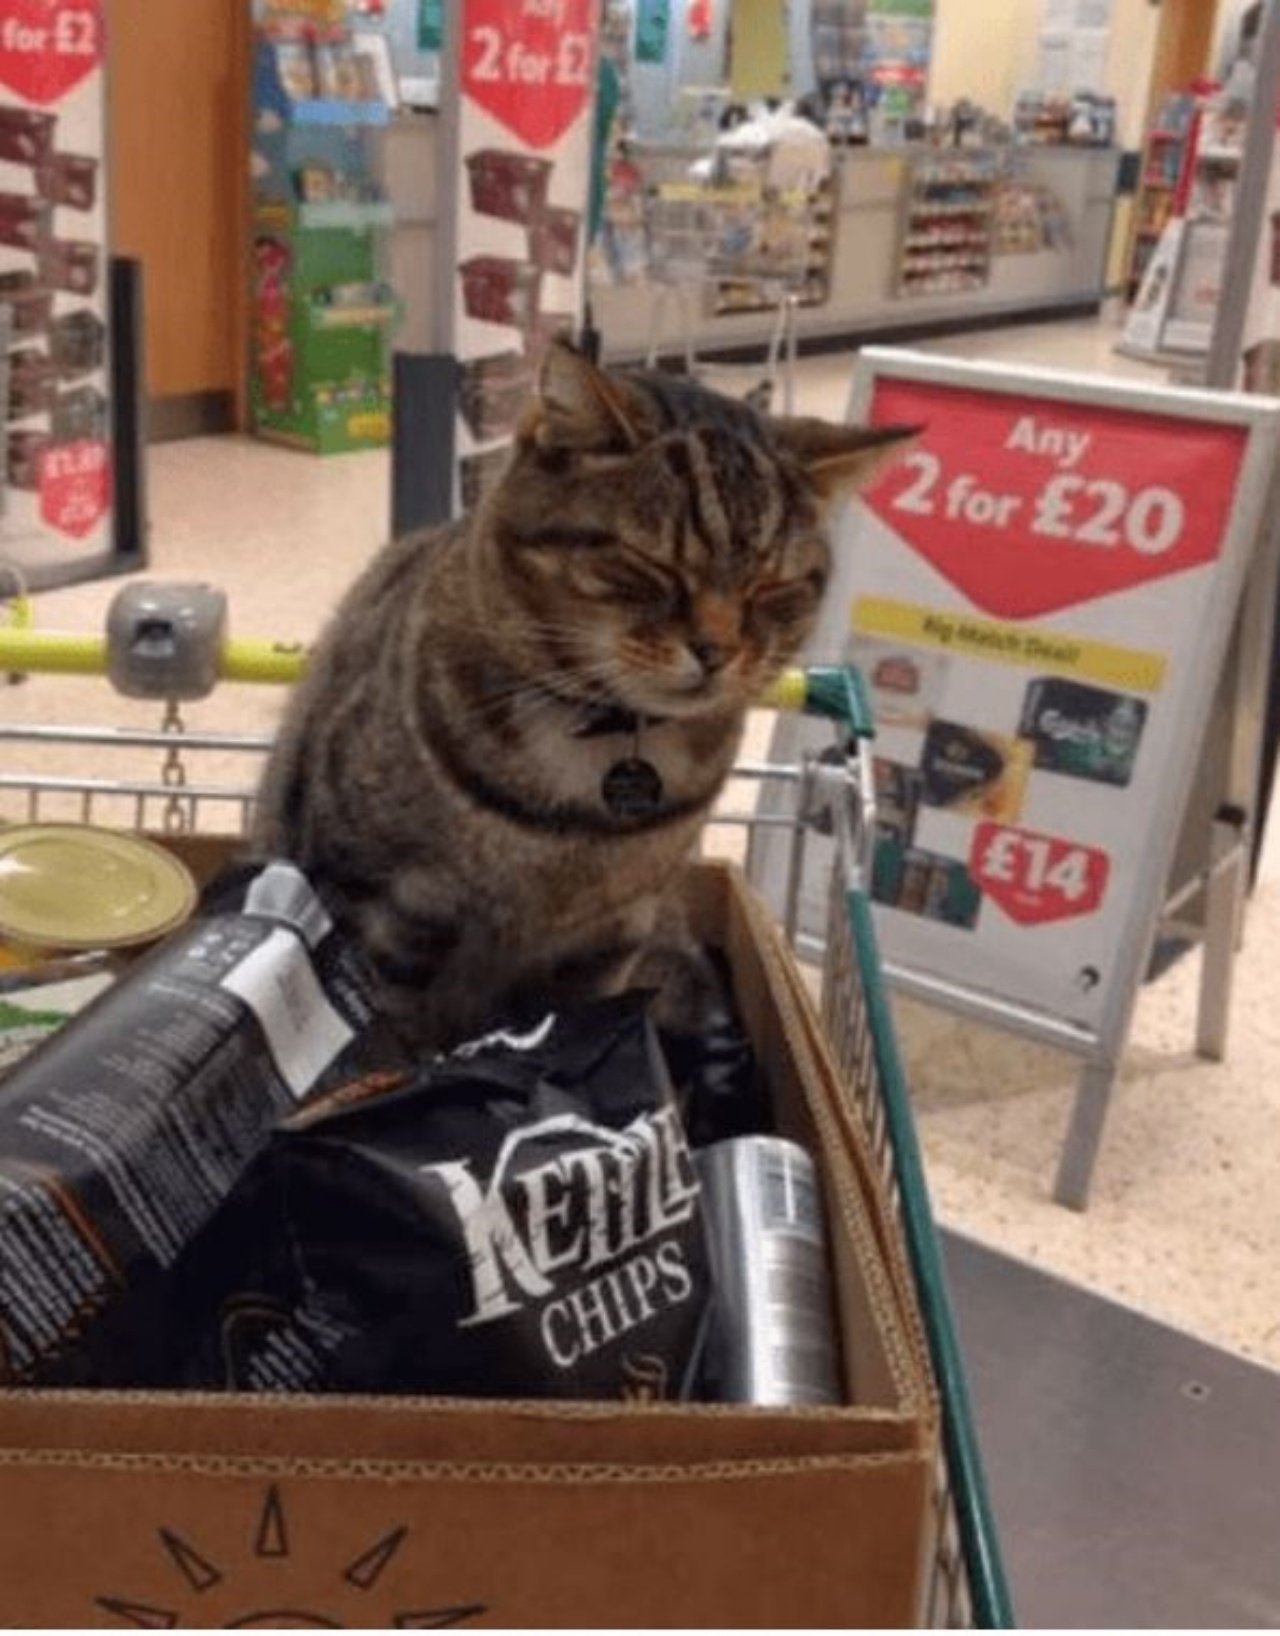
[1005,644]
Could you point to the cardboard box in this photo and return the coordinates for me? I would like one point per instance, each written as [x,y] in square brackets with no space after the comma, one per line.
[155,1510]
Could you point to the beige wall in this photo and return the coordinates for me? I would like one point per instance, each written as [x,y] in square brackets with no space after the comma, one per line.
[988,51]
[985,51]
[1134,26]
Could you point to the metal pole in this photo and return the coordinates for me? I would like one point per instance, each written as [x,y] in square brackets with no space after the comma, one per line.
[1224,904]
[1084,1134]
[1223,366]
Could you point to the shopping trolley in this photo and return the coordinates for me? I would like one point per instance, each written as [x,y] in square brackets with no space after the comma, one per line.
[832,795]
[739,243]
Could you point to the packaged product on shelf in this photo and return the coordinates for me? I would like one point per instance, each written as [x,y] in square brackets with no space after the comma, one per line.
[77,343]
[25,221]
[316,183]
[122,1136]
[500,290]
[338,72]
[519,1219]
[33,382]
[30,302]
[23,452]
[68,179]
[553,241]
[511,186]
[26,135]
[79,413]
[297,69]
[71,264]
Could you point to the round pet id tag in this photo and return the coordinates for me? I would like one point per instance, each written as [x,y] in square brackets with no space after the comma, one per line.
[632,788]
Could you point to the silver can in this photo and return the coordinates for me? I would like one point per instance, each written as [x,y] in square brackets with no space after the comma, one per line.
[772,1335]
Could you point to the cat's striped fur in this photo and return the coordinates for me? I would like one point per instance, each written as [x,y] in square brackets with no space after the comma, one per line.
[654,555]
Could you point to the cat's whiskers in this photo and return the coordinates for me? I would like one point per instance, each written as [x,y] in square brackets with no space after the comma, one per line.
[521,703]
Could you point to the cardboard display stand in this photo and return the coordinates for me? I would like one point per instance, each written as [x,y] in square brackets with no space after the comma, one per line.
[1040,597]
[58,521]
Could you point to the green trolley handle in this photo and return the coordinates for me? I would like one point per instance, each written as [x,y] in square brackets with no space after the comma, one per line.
[831,692]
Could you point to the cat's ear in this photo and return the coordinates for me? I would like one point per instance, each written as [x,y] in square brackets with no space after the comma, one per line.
[578,406]
[839,460]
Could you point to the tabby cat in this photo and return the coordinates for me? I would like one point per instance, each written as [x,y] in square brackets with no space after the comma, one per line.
[511,733]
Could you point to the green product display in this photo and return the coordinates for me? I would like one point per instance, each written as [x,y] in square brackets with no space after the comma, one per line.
[322,319]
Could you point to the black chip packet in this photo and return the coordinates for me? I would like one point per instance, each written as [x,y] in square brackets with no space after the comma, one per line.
[520,1219]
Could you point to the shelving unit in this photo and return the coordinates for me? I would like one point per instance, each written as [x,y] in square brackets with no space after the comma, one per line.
[1216,154]
[323,314]
[1164,160]
[946,238]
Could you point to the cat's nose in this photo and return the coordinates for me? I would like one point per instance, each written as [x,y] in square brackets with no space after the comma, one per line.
[712,656]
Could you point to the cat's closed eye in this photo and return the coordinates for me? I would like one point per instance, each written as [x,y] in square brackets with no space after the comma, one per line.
[787,598]
[649,588]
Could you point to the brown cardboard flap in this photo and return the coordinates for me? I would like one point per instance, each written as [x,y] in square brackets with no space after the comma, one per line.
[817,1543]
[438,1429]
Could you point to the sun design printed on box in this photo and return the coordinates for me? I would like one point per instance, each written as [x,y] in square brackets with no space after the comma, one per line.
[196,1575]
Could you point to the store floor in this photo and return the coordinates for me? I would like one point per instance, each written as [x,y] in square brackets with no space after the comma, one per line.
[1185,1214]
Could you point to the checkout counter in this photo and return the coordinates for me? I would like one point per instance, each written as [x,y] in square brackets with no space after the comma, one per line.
[898,262]
[893,268]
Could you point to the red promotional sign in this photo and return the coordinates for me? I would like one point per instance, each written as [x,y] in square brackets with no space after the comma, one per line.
[1037,878]
[75,486]
[47,47]
[528,63]
[1029,505]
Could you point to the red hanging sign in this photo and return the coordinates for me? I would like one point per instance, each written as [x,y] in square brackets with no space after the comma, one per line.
[47,47]
[528,63]
[699,19]
[75,486]
[1028,506]
[1037,878]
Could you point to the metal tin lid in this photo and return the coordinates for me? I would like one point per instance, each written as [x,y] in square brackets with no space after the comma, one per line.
[77,886]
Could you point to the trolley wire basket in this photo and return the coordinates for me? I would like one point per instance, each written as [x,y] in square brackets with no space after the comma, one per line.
[735,241]
[965,1585]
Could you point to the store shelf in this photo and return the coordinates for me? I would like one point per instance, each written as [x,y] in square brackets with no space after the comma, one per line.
[358,216]
[1165,156]
[361,215]
[945,238]
[976,207]
[944,241]
[323,317]
[332,111]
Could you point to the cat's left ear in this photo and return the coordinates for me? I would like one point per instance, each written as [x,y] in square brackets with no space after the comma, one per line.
[578,406]
[839,460]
